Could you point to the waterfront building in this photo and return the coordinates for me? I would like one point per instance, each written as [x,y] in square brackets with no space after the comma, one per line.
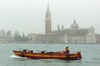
[16,33]
[8,34]
[2,33]
[74,34]
[32,38]
[6,37]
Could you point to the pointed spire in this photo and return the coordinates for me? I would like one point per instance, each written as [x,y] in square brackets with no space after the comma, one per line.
[48,9]
[58,26]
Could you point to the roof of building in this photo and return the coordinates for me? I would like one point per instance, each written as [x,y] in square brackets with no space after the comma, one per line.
[74,25]
[73,32]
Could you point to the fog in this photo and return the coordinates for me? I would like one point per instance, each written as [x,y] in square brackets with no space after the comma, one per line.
[28,16]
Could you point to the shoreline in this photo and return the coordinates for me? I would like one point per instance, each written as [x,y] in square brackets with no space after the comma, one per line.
[49,43]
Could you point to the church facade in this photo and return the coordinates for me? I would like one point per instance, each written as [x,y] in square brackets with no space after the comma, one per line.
[74,34]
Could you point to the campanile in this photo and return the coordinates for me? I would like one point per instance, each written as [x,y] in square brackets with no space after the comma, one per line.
[48,21]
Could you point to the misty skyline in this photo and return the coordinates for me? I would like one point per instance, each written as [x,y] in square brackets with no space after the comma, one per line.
[28,16]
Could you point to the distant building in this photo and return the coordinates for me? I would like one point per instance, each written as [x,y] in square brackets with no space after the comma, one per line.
[8,34]
[6,37]
[2,33]
[17,37]
[74,34]
[98,38]
[48,39]
[16,33]
[32,38]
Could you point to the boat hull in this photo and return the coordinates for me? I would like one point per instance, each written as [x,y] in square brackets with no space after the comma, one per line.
[63,56]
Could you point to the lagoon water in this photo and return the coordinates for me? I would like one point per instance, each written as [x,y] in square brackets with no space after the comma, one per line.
[90,55]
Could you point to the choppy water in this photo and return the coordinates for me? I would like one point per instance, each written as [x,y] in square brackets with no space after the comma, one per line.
[90,55]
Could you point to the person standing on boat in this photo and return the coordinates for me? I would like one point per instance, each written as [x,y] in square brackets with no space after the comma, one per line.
[67,50]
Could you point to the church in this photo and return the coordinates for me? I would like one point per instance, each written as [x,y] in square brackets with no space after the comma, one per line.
[74,34]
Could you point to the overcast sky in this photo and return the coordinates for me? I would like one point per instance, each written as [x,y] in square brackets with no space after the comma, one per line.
[28,16]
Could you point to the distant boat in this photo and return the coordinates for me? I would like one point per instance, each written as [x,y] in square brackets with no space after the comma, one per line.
[48,55]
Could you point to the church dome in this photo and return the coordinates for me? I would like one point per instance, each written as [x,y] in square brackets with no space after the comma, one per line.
[74,25]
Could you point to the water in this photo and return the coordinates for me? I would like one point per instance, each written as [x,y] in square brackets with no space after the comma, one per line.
[90,55]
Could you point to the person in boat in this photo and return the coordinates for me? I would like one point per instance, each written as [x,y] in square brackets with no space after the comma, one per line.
[67,50]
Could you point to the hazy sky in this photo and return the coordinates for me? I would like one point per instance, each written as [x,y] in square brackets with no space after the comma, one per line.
[28,16]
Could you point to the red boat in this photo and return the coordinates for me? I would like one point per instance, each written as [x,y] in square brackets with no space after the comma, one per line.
[49,55]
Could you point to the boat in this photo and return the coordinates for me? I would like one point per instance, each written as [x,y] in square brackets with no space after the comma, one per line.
[48,55]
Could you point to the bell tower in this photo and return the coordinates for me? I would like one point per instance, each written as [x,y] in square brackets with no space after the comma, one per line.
[48,21]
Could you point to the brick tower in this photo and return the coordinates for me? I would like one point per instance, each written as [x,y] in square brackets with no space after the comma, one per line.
[48,21]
